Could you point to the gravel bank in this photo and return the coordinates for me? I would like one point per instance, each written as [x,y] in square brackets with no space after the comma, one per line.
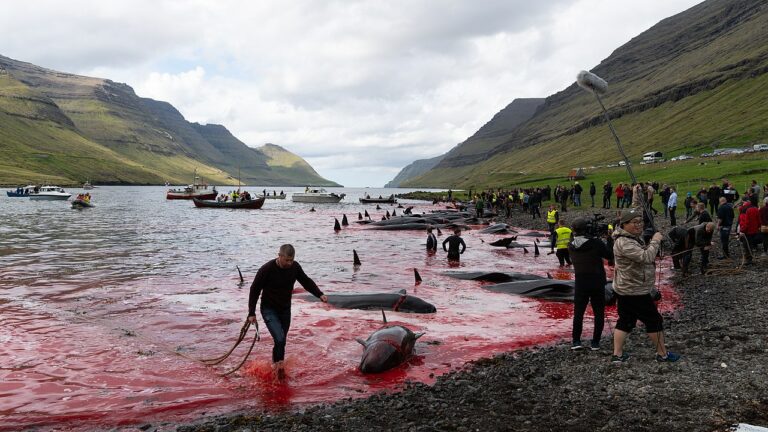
[721,379]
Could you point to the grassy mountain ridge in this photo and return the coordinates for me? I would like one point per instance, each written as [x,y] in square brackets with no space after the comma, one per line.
[67,127]
[690,83]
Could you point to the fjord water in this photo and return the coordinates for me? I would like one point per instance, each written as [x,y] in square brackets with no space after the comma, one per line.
[103,310]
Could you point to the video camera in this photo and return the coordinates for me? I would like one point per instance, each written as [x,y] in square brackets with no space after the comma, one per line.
[596,228]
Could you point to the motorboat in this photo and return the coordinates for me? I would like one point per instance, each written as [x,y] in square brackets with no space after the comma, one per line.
[22,191]
[255,203]
[49,193]
[317,196]
[82,201]
[88,186]
[387,200]
[198,189]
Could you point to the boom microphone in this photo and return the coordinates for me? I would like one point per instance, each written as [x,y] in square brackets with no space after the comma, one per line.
[591,82]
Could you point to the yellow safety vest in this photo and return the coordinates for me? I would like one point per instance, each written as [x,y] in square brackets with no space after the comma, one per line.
[551,216]
[563,237]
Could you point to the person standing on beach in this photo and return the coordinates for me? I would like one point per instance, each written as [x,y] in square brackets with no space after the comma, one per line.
[724,225]
[274,282]
[562,238]
[633,280]
[456,245]
[587,253]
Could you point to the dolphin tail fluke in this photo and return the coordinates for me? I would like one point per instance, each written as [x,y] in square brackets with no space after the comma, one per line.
[240,273]
[536,250]
[355,258]
[336,226]
[416,276]
[383,316]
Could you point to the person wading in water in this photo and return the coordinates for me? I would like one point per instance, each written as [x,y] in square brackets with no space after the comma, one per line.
[275,280]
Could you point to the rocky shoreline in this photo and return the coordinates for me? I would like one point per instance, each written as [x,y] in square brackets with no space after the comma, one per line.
[720,381]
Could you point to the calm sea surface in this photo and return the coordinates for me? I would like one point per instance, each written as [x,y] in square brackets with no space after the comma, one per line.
[103,310]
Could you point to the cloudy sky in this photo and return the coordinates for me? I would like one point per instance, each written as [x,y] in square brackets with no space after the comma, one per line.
[358,88]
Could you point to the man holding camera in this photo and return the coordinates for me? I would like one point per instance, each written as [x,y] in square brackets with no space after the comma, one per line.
[587,252]
[634,278]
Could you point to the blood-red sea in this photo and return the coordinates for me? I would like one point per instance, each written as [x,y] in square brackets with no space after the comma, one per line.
[105,312]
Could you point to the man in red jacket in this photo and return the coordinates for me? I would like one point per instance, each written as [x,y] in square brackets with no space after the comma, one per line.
[764,225]
[749,225]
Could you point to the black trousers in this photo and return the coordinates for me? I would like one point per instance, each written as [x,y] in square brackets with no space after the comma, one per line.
[672,219]
[563,256]
[594,295]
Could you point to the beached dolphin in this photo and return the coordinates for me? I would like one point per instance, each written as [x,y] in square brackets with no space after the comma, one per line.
[491,276]
[547,289]
[399,302]
[501,228]
[534,234]
[503,242]
[386,348]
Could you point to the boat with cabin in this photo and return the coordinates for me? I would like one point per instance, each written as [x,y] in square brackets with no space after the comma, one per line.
[198,189]
[50,193]
[317,196]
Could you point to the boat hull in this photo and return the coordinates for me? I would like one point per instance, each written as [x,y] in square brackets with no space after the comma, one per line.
[275,196]
[187,195]
[316,199]
[46,197]
[78,204]
[378,200]
[16,195]
[251,204]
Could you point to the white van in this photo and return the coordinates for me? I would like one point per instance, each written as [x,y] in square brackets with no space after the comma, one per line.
[654,156]
[760,147]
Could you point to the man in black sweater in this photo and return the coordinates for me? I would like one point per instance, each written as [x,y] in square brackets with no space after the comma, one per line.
[275,279]
[587,254]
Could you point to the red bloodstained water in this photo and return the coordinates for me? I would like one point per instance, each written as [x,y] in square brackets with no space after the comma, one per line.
[114,342]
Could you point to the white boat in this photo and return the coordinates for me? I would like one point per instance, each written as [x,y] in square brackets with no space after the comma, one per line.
[87,185]
[317,196]
[50,193]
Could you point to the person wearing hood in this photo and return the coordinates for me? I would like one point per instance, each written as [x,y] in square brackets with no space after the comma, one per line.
[587,254]
[633,279]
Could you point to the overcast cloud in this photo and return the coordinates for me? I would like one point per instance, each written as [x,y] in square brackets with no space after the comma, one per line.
[358,88]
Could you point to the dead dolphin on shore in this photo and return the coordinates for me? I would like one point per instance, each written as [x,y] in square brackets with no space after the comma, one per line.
[500,228]
[387,347]
[491,276]
[398,302]
[546,289]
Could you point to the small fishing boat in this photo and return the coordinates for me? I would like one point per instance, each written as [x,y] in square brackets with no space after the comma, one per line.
[49,193]
[88,186]
[255,203]
[22,191]
[317,196]
[281,196]
[198,189]
[81,204]
[388,200]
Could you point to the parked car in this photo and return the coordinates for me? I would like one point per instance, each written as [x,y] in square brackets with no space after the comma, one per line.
[681,157]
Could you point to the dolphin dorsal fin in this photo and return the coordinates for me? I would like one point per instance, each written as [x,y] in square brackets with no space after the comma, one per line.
[402,292]
[383,316]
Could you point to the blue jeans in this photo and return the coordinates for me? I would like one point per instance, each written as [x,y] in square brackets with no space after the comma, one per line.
[278,322]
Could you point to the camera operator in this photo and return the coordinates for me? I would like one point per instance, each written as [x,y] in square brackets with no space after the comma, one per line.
[634,277]
[587,252]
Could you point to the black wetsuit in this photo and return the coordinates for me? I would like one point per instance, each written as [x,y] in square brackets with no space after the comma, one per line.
[431,242]
[454,242]
[277,285]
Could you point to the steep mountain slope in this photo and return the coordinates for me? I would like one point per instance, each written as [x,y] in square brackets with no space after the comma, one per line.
[61,117]
[693,81]
[475,147]
[414,169]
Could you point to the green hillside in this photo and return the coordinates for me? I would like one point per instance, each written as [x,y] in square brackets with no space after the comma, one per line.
[694,82]
[66,128]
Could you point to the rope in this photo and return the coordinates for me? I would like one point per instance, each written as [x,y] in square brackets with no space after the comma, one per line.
[255,338]
[221,358]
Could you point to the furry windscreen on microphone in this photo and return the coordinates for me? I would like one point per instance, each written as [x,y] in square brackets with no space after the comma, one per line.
[591,82]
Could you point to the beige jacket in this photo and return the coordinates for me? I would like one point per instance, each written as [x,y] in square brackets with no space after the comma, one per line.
[635,271]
